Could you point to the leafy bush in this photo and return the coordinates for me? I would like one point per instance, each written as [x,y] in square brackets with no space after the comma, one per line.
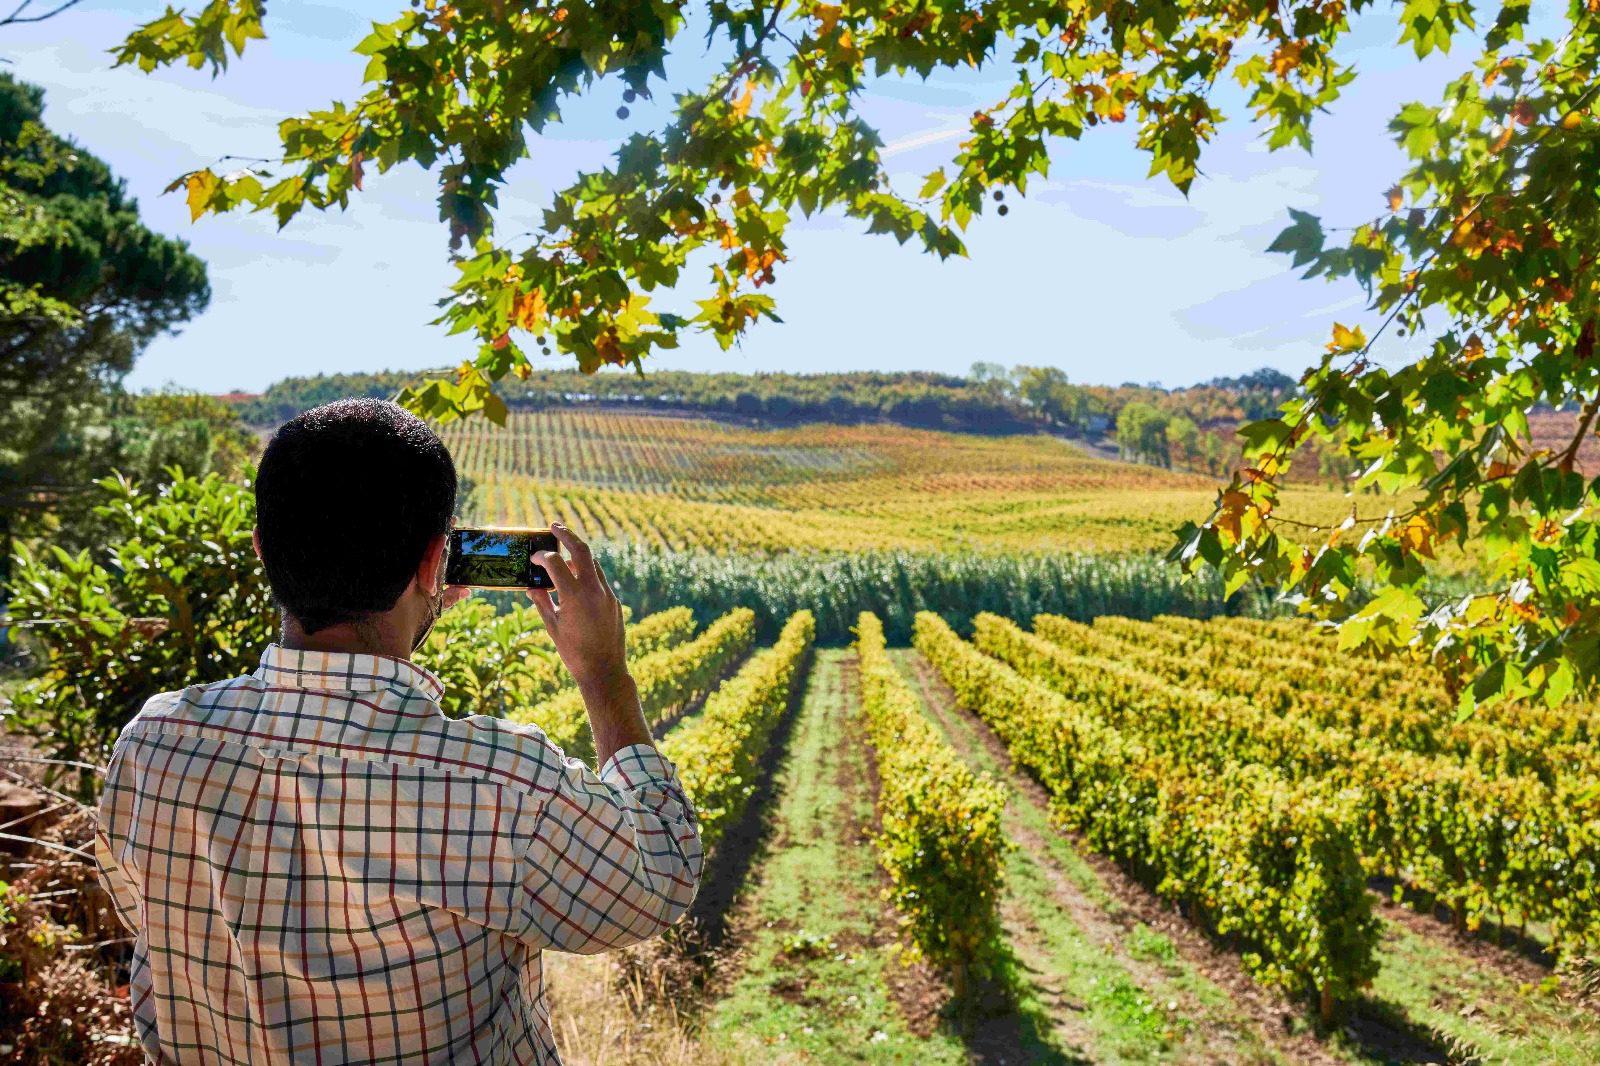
[496,662]
[662,630]
[174,597]
[490,662]
[942,839]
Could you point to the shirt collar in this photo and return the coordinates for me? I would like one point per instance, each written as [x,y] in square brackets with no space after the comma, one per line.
[341,671]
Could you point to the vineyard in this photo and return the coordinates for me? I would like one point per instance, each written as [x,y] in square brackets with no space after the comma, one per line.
[694,484]
[1130,841]
[1237,718]
[968,796]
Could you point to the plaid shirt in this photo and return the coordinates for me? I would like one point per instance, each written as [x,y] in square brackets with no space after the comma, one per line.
[319,866]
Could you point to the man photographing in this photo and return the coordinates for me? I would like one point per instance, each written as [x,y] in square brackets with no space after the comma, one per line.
[316,864]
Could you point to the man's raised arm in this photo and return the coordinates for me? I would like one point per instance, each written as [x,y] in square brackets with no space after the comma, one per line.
[616,857]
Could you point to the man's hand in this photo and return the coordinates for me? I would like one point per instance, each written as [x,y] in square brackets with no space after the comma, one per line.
[585,624]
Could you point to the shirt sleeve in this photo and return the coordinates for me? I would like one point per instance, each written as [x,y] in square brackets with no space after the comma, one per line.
[616,857]
[115,883]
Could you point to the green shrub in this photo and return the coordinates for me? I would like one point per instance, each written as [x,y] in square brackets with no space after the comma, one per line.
[491,663]
[173,598]
[669,680]
[496,661]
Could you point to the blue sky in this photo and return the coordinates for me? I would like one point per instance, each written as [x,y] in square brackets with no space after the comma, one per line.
[1100,271]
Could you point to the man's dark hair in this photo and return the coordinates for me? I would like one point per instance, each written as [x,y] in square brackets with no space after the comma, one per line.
[347,497]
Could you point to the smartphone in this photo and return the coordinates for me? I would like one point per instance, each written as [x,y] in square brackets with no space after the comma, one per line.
[493,557]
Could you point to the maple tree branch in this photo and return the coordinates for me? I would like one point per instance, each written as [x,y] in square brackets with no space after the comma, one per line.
[1314,403]
[1569,454]
[17,17]
[1271,519]
[741,62]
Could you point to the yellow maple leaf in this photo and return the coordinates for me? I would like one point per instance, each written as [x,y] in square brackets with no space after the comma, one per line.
[1231,513]
[827,15]
[1346,339]
[741,107]
[1416,536]
[201,185]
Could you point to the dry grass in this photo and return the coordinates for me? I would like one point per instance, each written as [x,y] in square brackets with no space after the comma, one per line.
[623,1009]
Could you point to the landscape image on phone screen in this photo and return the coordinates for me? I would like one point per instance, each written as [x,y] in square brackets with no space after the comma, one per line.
[493,558]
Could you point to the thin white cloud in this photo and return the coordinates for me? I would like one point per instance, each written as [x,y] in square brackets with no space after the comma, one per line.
[923,139]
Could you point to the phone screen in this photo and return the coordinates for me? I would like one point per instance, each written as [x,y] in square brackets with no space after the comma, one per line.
[498,558]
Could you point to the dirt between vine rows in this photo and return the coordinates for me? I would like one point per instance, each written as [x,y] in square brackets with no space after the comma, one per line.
[1270,1018]
[700,956]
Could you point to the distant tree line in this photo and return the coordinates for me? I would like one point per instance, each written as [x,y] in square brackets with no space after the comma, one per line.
[1189,427]
[938,401]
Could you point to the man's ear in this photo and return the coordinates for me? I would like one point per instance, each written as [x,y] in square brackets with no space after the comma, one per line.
[255,539]
[430,574]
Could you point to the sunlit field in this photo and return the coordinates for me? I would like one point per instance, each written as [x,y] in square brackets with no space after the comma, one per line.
[688,483]
[981,778]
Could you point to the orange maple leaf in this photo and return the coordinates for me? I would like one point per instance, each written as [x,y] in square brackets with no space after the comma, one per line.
[528,310]
[1286,57]
[1416,536]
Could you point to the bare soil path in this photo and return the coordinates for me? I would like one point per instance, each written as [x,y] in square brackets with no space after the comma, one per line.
[811,985]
